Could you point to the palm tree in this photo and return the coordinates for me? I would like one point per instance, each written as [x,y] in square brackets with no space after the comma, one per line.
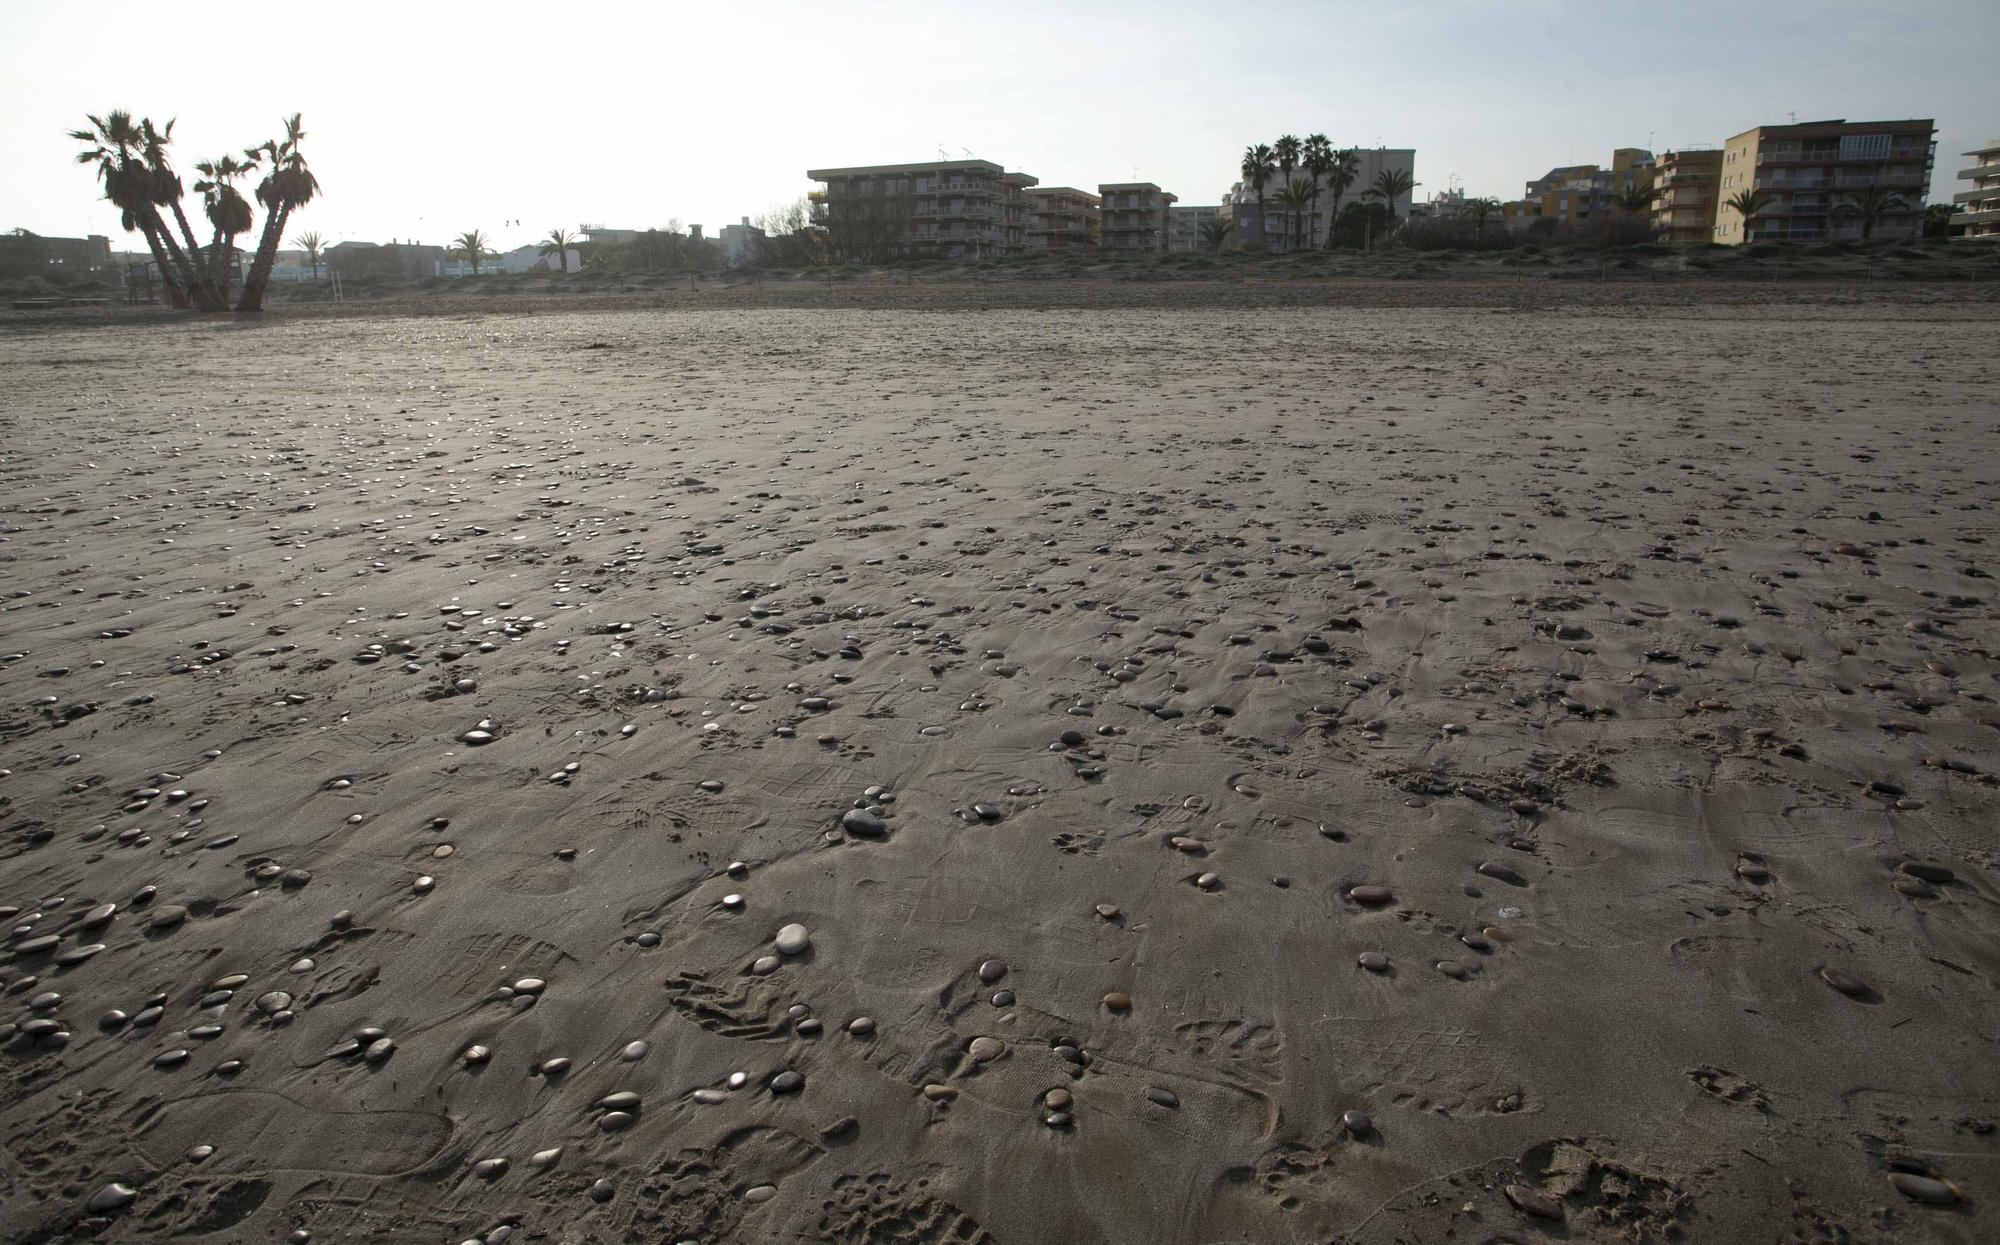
[289,186]
[1636,199]
[1871,203]
[226,209]
[1258,168]
[1318,161]
[1295,198]
[114,142]
[312,244]
[166,192]
[1391,185]
[1747,203]
[1215,233]
[1479,210]
[470,245]
[1346,167]
[1286,152]
[1938,219]
[558,244]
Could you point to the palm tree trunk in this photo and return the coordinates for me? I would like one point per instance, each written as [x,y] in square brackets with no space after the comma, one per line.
[176,297]
[199,286]
[267,258]
[184,271]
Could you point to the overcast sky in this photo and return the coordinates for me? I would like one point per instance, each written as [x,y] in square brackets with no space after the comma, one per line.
[426,119]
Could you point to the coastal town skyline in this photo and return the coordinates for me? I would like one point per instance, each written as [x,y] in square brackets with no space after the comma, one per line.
[1499,101]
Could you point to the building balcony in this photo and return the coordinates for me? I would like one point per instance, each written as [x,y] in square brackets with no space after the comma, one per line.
[1980,195]
[1978,172]
[1988,216]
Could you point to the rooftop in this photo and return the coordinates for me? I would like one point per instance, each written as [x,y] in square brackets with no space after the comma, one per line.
[926,166]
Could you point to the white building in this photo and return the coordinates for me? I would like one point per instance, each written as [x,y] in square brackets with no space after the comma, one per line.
[1369,164]
[739,243]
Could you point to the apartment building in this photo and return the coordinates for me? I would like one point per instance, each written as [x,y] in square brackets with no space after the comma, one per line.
[1815,169]
[1980,217]
[1687,181]
[946,209]
[1578,192]
[1062,218]
[1135,216]
[1281,227]
[1184,223]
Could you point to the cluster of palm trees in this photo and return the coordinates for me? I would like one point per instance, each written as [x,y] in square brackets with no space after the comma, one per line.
[474,247]
[139,178]
[1326,169]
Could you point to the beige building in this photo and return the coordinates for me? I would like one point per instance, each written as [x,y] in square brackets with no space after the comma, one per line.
[1981,215]
[947,209]
[1062,218]
[1814,169]
[1135,216]
[1687,181]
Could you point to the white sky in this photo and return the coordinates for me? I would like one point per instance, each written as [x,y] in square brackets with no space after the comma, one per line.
[426,119]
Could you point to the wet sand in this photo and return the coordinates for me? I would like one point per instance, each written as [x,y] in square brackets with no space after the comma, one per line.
[1562,734]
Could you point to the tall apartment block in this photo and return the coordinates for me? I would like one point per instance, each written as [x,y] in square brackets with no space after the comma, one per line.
[1062,218]
[1981,217]
[1687,181]
[1135,216]
[1814,168]
[1184,223]
[951,209]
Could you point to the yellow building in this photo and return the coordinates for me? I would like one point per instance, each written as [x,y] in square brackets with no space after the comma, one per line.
[1814,173]
[1687,181]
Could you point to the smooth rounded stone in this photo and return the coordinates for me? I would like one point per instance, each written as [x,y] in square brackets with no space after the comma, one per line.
[44,1001]
[1373,895]
[709,1097]
[1919,1189]
[166,916]
[113,1019]
[1357,1123]
[1751,871]
[861,1026]
[1163,1097]
[1453,969]
[1058,1119]
[760,1193]
[737,1080]
[1057,1100]
[788,1082]
[379,1050]
[1118,1001]
[988,812]
[1373,961]
[601,1191]
[991,971]
[765,965]
[1209,881]
[490,1169]
[77,955]
[476,1055]
[1533,1202]
[109,1198]
[553,1067]
[545,1158]
[530,985]
[196,1154]
[622,1100]
[985,1049]
[733,903]
[275,1001]
[1915,888]
[478,738]
[1928,872]
[170,1059]
[861,822]
[37,944]
[1108,911]
[634,1051]
[99,915]
[1847,983]
[616,1121]
[793,940]
[1501,873]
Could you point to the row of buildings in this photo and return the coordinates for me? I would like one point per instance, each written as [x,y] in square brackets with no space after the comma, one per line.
[976,209]
[1813,179]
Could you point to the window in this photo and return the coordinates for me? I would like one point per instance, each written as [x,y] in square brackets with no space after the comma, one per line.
[1864,146]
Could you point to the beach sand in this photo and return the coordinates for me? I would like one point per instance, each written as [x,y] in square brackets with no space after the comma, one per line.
[1562,733]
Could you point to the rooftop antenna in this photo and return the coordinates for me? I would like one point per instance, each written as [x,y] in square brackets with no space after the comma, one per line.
[942,153]
[1794,116]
